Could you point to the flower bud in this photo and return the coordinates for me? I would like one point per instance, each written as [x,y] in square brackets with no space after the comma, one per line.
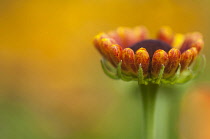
[105,45]
[190,39]
[127,36]
[142,57]
[141,33]
[159,59]
[186,59]
[128,59]
[97,40]
[134,56]
[165,34]
[178,40]
[174,56]
[115,36]
[198,44]
[115,53]
[194,54]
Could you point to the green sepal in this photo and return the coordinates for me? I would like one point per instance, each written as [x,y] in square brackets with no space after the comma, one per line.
[186,76]
[141,79]
[120,74]
[107,71]
[176,76]
[199,66]
[160,75]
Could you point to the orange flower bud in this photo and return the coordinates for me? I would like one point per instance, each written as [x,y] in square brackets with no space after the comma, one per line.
[198,44]
[115,53]
[127,49]
[130,37]
[128,59]
[178,40]
[142,57]
[165,34]
[160,58]
[121,32]
[141,33]
[191,39]
[194,54]
[116,37]
[194,51]
[105,45]
[186,59]
[97,41]
[127,36]
[174,56]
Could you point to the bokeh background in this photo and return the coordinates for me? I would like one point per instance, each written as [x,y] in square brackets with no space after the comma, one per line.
[51,82]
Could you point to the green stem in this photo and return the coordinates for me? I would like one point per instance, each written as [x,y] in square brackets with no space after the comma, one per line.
[167,116]
[149,93]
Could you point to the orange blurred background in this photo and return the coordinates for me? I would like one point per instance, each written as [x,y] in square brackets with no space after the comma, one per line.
[52,84]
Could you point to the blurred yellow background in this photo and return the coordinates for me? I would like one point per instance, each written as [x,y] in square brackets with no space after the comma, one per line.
[52,85]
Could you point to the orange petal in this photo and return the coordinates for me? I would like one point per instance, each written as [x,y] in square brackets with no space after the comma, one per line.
[194,54]
[128,59]
[198,44]
[97,40]
[159,58]
[115,53]
[174,56]
[141,33]
[165,34]
[127,36]
[114,35]
[178,40]
[190,39]
[105,45]
[186,59]
[142,57]
[130,37]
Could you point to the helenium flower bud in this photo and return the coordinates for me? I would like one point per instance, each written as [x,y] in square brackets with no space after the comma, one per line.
[171,58]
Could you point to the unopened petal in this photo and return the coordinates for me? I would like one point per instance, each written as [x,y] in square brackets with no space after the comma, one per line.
[116,53]
[97,40]
[178,40]
[105,45]
[190,39]
[128,59]
[142,57]
[141,33]
[165,34]
[174,56]
[186,59]
[114,35]
[194,54]
[160,58]
[198,44]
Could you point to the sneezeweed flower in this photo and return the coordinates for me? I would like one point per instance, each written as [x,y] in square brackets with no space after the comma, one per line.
[130,54]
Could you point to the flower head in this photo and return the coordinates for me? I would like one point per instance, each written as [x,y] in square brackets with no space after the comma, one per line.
[129,54]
